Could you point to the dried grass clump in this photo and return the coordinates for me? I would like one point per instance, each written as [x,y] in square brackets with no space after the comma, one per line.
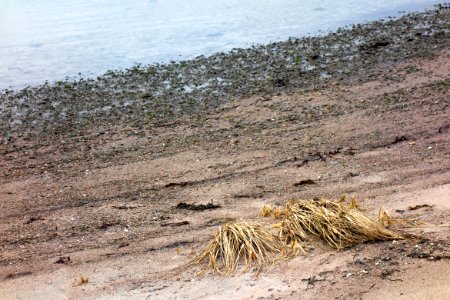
[235,242]
[336,223]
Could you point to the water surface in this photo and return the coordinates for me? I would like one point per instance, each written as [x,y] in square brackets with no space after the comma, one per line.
[53,40]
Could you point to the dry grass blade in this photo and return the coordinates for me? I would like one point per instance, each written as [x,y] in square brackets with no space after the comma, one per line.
[238,242]
[268,211]
[336,223]
[383,216]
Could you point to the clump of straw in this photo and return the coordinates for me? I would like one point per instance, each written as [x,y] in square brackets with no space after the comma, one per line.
[336,223]
[236,242]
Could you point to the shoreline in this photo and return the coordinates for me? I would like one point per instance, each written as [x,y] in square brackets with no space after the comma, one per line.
[314,22]
[159,93]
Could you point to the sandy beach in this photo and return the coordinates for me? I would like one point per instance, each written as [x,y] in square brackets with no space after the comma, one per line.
[92,171]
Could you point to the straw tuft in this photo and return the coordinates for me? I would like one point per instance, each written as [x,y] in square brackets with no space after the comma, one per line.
[338,224]
[335,222]
[236,242]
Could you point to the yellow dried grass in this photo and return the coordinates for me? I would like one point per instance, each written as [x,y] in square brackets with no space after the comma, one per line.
[383,217]
[338,224]
[252,244]
[334,222]
[268,211]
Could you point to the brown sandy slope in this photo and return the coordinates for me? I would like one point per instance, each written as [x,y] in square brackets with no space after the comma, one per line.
[106,197]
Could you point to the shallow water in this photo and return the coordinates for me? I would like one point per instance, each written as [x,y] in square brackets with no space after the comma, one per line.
[54,40]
